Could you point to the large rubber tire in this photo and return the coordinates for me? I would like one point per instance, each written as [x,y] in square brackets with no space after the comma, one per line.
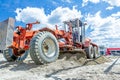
[89,52]
[44,48]
[9,56]
[96,54]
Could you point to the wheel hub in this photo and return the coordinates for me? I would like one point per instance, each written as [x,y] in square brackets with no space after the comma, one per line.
[48,47]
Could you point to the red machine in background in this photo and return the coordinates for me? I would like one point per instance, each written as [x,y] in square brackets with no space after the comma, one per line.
[45,44]
[112,51]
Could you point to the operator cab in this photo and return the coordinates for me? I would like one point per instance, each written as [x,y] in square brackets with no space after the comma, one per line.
[78,29]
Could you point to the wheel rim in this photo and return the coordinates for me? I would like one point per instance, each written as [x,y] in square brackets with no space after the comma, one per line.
[48,47]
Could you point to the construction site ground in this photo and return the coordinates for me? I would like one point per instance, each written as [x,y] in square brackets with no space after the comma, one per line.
[102,68]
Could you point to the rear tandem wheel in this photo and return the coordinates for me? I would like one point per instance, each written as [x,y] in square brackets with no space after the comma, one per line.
[96,54]
[90,52]
[9,56]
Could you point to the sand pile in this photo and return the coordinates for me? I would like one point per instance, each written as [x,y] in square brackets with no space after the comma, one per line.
[81,58]
[99,60]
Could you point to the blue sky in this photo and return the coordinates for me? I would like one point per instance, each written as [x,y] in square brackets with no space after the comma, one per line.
[102,16]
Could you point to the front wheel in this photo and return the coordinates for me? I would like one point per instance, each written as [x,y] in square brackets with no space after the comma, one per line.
[9,56]
[44,48]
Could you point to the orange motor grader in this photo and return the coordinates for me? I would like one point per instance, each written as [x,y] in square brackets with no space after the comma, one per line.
[44,45]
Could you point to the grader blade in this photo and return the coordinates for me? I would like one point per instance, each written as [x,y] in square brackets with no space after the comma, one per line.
[6,33]
[75,54]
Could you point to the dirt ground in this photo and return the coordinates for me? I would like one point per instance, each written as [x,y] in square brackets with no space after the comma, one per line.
[102,68]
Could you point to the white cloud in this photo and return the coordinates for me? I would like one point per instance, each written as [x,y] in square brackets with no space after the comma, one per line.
[117,15]
[54,3]
[111,2]
[62,14]
[57,16]
[68,1]
[31,14]
[94,1]
[85,2]
[109,8]
[105,29]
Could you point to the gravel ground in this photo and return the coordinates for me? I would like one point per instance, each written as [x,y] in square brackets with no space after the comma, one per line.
[62,69]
